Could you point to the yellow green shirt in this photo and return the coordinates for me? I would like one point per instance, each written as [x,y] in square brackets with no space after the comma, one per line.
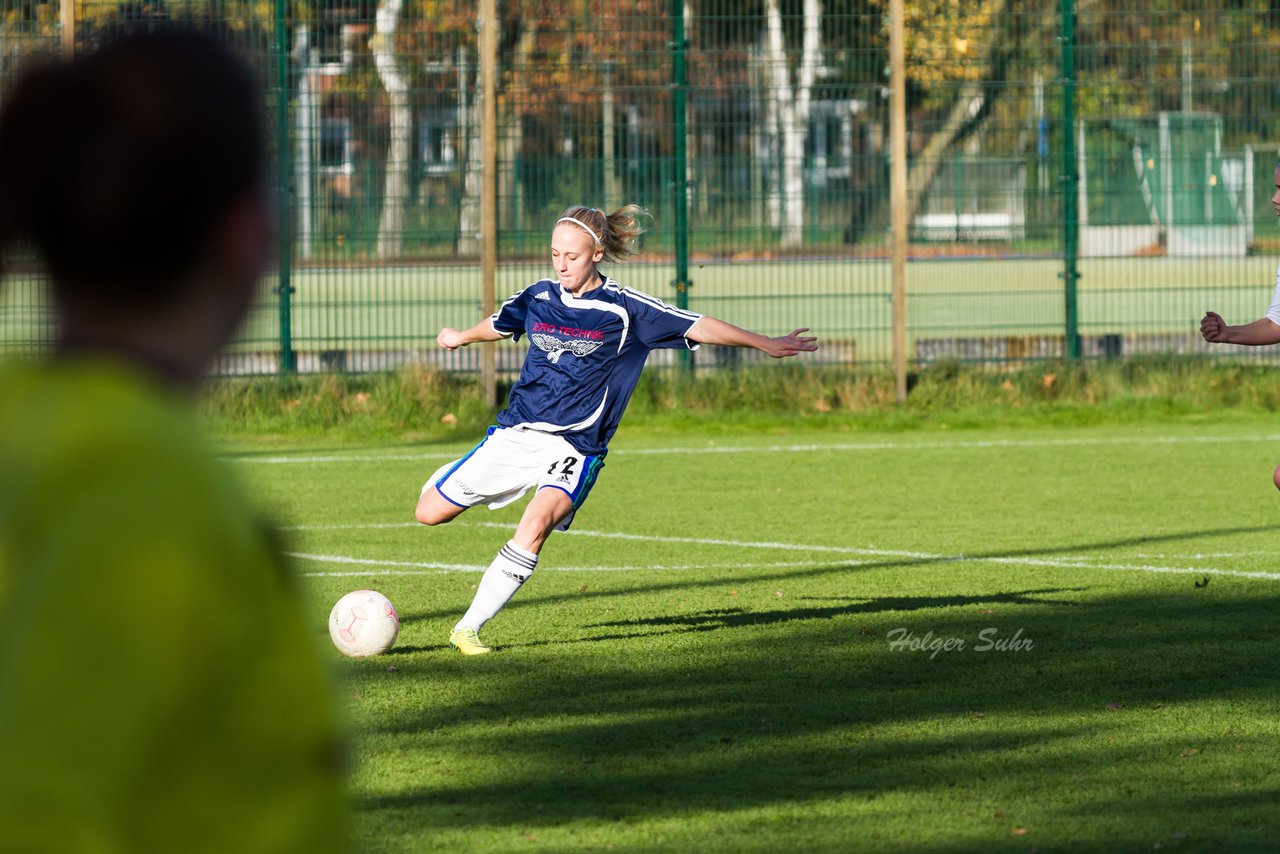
[160,688]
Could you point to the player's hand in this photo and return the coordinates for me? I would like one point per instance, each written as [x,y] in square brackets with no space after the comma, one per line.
[1214,328]
[449,339]
[790,345]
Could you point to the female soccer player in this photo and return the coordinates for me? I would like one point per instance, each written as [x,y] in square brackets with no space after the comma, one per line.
[590,338]
[160,688]
[1261,332]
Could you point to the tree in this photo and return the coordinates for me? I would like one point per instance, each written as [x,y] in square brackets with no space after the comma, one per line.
[510,122]
[789,115]
[958,36]
[395,192]
[553,61]
[957,54]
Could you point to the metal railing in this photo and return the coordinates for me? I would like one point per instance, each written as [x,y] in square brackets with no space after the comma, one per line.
[1082,179]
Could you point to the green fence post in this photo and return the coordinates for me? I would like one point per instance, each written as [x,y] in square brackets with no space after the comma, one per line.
[1068,181]
[284,181]
[679,85]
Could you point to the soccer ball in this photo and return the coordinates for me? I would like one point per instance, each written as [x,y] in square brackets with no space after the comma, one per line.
[363,623]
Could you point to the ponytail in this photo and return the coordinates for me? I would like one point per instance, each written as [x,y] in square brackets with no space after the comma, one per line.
[615,232]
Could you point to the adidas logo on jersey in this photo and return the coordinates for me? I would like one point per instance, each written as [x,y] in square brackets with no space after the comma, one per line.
[542,295]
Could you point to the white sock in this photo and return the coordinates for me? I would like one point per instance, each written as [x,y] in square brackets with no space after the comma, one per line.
[509,570]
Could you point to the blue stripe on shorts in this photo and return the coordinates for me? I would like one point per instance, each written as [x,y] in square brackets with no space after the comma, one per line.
[448,474]
[591,471]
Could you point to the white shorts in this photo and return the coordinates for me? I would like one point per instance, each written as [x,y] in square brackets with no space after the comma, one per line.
[509,462]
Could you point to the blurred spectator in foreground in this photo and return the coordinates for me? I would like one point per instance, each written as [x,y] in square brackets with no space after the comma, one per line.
[160,689]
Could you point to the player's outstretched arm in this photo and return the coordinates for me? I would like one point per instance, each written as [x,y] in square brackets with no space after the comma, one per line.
[452,339]
[709,330]
[1257,334]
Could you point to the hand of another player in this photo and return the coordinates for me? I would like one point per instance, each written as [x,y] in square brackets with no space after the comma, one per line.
[790,345]
[449,339]
[1214,328]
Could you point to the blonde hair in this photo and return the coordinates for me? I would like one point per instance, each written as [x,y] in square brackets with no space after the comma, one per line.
[614,233]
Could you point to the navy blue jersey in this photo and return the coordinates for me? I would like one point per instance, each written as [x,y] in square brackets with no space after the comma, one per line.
[585,356]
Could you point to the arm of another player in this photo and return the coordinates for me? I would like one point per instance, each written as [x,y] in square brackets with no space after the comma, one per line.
[1257,334]
[709,330]
[452,339]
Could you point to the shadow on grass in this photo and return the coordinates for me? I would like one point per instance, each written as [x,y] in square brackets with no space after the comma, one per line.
[733,617]
[414,650]
[1128,719]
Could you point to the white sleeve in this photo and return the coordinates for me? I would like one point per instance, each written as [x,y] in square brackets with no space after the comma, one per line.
[1273,313]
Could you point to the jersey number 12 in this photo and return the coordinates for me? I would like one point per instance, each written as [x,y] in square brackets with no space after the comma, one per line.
[568,464]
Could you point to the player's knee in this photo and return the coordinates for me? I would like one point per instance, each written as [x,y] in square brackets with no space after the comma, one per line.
[533,530]
[429,513]
[427,516]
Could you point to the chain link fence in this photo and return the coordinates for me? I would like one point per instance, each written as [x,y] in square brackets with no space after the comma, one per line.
[1083,177]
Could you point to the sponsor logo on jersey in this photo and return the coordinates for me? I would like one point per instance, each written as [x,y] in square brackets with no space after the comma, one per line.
[542,295]
[556,347]
[570,331]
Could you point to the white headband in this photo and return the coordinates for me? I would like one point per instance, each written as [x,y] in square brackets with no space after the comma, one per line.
[589,229]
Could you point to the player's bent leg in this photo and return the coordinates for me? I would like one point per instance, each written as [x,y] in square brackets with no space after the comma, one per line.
[548,507]
[512,567]
[507,574]
[434,509]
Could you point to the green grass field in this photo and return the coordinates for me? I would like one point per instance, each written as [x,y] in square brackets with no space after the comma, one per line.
[391,308]
[706,662]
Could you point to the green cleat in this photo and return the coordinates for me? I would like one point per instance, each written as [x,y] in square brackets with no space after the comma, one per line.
[467,640]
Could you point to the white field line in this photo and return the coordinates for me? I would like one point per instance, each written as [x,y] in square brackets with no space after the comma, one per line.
[1081,559]
[1046,562]
[799,449]
[428,568]
[343,458]
[351,527]
[748,544]
[1212,556]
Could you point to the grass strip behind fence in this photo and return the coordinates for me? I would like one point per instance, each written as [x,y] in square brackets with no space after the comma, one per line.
[422,404]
